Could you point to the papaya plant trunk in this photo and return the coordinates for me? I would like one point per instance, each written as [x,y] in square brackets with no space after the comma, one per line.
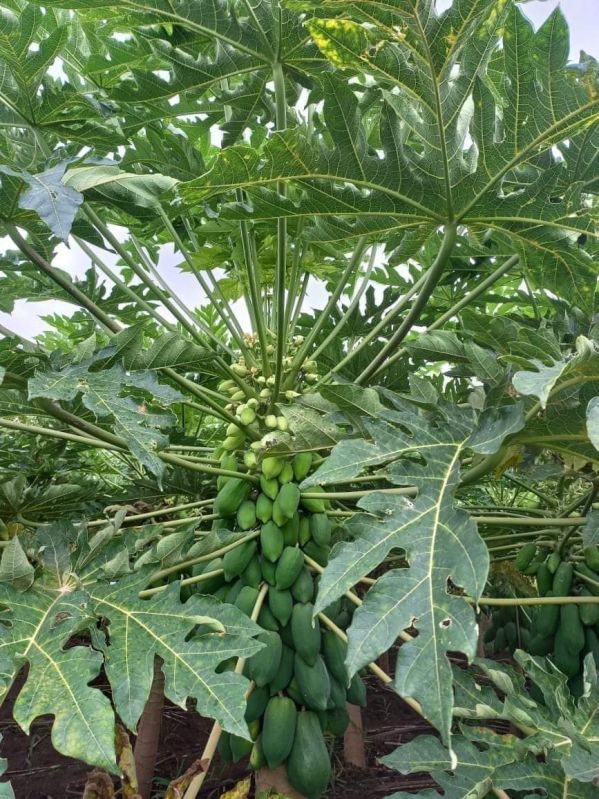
[148,733]
[353,740]
[275,781]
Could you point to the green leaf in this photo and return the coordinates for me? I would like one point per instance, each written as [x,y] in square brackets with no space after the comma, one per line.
[110,184]
[354,399]
[440,543]
[15,569]
[494,425]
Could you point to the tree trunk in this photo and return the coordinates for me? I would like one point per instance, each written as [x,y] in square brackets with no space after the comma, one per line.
[275,780]
[353,740]
[148,733]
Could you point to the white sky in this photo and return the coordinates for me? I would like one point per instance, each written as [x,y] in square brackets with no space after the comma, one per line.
[583,18]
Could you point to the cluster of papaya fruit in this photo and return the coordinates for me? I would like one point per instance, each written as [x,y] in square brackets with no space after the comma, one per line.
[509,630]
[300,681]
[565,633]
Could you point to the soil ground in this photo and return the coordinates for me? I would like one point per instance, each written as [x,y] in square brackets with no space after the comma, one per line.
[38,772]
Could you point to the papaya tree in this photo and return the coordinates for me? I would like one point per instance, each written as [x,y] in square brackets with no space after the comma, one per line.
[334,349]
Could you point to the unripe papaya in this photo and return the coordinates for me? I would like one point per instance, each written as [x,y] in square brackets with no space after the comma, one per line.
[553,561]
[271,541]
[567,661]
[592,583]
[317,553]
[306,632]
[263,666]
[289,566]
[267,620]
[257,759]
[309,764]
[246,515]
[264,508]
[293,692]
[562,579]
[278,730]
[570,629]
[356,693]
[236,560]
[233,592]
[591,557]
[544,580]
[313,682]
[247,416]
[256,703]
[269,487]
[320,529]
[304,530]
[302,463]
[212,584]
[303,588]
[240,748]
[228,462]
[511,635]
[272,466]
[525,556]
[280,604]
[540,646]
[592,644]
[290,530]
[268,571]
[247,599]
[334,650]
[286,503]
[252,574]
[286,475]
[546,619]
[337,721]
[285,673]
[314,504]
[232,494]
[589,614]
[338,695]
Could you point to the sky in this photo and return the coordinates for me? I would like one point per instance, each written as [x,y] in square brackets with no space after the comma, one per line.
[26,319]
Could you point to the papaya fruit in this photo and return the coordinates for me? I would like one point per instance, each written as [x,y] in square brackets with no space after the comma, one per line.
[257,759]
[314,504]
[223,747]
[293,691]
[280,603]
[233,592]
[240,748]
[306,632]
[338,695]
[235,491]
[256,703]
[266,620]
[546,619]
[268,571]
[290,530]
[562,579]
[264,508]
[592,644]
[589,614]
[246,515]
[570,630]
[566,661]
[263,666]
[313,682]
[278,730]
[285,673]
[272,466]
[286,474]
[271,541]
[356,693]
[269,487]
[301,463]
[525,556]
[289,566]
[236,560]
[286,503]
[511,635]
[212,584]
[252,574]
[230,463]
[335,652]
[320,529]
[317,553]
[304,530]
[337,721]
[303,588]
[540,646]
[286,637]
[591,557]
[592,581]
[544,580]
[247,599]
[553,561]
[309,764]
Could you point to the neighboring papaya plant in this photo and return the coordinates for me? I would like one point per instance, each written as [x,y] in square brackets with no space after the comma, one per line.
[287,499]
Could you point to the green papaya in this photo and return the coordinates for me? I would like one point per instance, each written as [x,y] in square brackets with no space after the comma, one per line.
[269,487]
[525,556]
[540,646]
[290,530]
[309,764]
[566,661]
[356,693]
[236,560]
[553,561]
[268,571]
[337,721]
[228,462]
[256,703]
[286,502]
[314,504]
[286,474]
[338,696]
[591,557]
[592,581]
[289,566]
[304,530]
[263,666]
[286,637]
[257,759]
[278,730]
[320,529]
[240,748]
[235,491]
[246,515]
[562,579]
[247,599]
[335,651]
[212,584]
[570,630]
[271,541]
[303,588]
[313,682]
[592,644]
[272,466]
[293,692]
[589,614]
[317,553]
[285,673]
[252,574]
[266,620]
[546,619]
[233,592]
[302,463]
[511,635]
[544,580]
[264,508]
[306,632]
[281,604]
